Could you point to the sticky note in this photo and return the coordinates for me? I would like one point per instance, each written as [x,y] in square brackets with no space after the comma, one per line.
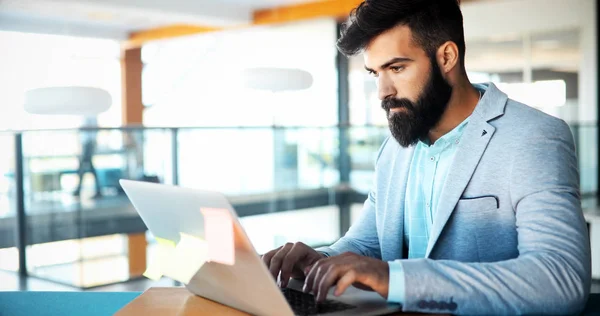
[153,271]
[164,249]
[188,257]
[165,242]
[218,232]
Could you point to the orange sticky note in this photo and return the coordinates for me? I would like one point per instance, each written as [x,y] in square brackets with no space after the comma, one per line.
[218,233]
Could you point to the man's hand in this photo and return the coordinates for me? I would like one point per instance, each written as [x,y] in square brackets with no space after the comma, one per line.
[292,260]
[345,270]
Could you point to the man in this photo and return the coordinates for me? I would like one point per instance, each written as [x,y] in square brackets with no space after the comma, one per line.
[475,207]
[88,147]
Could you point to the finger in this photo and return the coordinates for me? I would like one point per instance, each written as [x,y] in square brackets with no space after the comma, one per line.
[310,277]
[277,260]
[344,282]
[266,258]
[296,253]
[317,272]
[320,275]
[328,280]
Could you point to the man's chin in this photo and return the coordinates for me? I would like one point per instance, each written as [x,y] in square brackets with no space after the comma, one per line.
[404,141]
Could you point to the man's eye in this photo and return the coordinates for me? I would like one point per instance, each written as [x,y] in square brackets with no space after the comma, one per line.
[397,68]
[372,73]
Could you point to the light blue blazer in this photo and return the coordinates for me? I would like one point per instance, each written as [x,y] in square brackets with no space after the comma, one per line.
[509,236]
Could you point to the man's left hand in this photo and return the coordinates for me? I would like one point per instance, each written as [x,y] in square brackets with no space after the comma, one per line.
[345,270]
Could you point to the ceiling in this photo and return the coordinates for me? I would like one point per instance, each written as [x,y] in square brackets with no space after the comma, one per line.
[117,18]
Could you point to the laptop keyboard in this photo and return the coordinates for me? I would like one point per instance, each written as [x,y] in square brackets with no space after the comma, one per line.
[304,303]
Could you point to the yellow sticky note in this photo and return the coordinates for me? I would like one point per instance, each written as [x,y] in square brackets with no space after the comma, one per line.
[164,254]
[153,271]
[189,256]
[165,242]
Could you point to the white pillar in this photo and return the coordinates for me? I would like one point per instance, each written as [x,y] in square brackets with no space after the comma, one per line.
[588,69]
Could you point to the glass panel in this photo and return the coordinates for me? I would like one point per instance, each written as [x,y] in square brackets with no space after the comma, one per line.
[364,147]
[257,160]
[9,259]
[72,193]
[588,158]
[267,232]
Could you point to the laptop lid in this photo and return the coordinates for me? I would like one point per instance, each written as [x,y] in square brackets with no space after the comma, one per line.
[247,285]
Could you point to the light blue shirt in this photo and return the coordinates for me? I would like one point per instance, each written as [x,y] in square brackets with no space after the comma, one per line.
[427,175]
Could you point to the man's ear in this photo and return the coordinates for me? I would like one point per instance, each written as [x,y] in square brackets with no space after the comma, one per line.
[447,56]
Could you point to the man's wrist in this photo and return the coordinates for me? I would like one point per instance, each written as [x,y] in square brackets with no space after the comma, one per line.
[323,254]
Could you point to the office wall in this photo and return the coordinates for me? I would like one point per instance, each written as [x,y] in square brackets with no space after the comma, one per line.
[507,18]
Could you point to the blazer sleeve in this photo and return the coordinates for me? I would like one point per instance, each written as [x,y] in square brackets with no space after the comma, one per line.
[362,236]
[552,273]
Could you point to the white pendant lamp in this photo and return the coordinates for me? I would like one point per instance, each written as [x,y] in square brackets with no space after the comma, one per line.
[87,101]
[277,79]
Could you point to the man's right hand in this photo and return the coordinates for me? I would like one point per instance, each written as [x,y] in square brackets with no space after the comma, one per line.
[292,260]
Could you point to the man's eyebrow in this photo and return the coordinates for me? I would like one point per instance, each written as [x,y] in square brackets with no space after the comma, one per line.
[391,62]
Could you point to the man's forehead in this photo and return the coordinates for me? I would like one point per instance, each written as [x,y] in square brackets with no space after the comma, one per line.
[396,42]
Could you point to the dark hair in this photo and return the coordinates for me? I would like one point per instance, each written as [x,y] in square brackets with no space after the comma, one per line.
[432,23]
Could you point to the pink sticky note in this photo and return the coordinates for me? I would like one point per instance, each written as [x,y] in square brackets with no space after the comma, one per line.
[218,232]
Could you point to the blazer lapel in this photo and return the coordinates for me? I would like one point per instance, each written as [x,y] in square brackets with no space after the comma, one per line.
[473,143]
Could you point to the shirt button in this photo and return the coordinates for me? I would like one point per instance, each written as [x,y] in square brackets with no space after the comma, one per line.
[432,158]
[457,141]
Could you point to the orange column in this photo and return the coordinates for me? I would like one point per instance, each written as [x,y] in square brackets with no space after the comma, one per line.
[131,83]
[132,115]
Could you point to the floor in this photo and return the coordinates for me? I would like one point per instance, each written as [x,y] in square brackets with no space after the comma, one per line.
[10,281]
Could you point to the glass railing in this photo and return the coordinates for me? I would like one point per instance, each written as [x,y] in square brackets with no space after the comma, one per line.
[586,143]
[235,161]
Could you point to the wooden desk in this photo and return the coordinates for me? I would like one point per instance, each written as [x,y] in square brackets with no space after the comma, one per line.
[180,302]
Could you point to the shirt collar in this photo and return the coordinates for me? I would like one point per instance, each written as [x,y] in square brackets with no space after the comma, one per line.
[449,138]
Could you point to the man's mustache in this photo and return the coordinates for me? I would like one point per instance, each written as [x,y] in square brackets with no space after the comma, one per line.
[391,103]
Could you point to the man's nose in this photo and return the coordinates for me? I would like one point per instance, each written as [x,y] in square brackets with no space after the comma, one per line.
[385,88]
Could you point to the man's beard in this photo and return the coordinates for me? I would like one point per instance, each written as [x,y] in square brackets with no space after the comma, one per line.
[417,118]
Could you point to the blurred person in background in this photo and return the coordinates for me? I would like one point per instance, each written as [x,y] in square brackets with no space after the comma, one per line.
[88,147]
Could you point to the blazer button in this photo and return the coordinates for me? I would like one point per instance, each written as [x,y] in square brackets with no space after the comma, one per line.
[452,306]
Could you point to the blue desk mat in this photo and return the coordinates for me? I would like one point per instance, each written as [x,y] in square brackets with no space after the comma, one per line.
[63,303]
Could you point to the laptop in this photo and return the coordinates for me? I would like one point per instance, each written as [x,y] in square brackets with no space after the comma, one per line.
[247,285]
